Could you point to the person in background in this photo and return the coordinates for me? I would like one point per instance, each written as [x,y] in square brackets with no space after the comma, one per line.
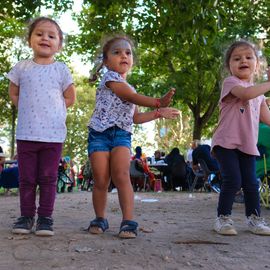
[110,131]
[176,171]
[193,145]
[203,151]
[142,162]
[42,89]
[242,106]
[2,159]
[157,155]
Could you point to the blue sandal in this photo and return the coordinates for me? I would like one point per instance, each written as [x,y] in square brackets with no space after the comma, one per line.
[98,225]
[128,229]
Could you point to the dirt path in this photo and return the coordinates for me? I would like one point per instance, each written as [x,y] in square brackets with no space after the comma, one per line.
[175,233]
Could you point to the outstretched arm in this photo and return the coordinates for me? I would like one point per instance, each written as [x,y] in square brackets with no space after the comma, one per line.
[168,113]
[246,93]
[125,92]
[14,93]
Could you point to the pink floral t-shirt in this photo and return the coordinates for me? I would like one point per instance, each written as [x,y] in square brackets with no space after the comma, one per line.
[238,120]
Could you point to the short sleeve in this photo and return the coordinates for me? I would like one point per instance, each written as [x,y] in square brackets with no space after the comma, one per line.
[111,76]
[229,83]
[66,76]
[14,74]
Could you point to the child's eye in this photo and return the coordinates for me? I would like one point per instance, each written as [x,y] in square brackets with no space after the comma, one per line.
[51,36]
[128,52]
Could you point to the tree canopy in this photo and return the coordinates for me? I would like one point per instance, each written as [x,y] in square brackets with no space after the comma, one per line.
[179,44]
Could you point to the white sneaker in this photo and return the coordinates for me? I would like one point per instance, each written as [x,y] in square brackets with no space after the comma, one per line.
[257,225]
[224,225]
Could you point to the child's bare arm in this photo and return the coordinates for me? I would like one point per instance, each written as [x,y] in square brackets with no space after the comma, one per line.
[70,95]
[125,92]
[168,113]
[14,93]
[246,93]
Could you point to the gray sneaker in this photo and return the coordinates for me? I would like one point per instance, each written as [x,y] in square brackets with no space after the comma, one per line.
[224,225]
[44,226]
[23,225]
[257,225]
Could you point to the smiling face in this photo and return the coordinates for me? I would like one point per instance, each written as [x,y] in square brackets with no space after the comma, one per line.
[119,57]
[243,63]
[45,42]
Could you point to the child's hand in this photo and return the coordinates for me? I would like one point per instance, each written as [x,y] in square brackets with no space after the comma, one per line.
[167,98]
[169,113]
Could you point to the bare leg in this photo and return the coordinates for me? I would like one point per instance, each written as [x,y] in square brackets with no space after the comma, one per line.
[120,162]
[100,166]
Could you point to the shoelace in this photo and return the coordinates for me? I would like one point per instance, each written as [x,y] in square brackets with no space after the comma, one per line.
[258,221]
[22,220]
[46,221]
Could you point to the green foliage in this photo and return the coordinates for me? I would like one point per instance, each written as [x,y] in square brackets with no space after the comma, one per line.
[77,120]
[180,44]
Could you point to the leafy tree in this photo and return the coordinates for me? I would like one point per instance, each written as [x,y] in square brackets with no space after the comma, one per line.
[180,44]
[77,120]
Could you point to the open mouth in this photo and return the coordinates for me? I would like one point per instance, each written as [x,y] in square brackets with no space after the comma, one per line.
[44,45]
[244,67]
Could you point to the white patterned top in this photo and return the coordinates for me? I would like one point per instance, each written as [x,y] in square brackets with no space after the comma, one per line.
[111,110]
[41,106]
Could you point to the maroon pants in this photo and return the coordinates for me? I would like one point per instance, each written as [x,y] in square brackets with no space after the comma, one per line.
[38,166]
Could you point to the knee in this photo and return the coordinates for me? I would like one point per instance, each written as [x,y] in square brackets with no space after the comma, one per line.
[230,185]
[101,185]
[251,188]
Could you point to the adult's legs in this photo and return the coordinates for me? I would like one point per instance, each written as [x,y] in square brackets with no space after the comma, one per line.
[119,165]
[48,161]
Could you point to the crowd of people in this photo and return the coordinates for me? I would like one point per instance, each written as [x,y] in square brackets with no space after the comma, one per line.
[39,82]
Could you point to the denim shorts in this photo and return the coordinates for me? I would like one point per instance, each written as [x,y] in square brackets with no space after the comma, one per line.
[108,139]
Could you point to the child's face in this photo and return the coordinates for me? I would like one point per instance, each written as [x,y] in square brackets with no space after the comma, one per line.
[119,57]
[45,40]
[243,63]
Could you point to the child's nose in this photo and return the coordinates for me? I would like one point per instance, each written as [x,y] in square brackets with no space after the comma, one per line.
[45,37]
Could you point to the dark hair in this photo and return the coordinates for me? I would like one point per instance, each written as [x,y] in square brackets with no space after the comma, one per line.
[175,151]
[138,152]
[107,44]
[33,24]
[236,44]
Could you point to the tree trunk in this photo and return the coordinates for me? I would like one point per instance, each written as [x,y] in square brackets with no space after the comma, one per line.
[14,114]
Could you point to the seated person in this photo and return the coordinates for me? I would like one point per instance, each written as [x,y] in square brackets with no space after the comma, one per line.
[9,177]
[176,171]
[157,155]
[203,151]
[2,159]
[143,163]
